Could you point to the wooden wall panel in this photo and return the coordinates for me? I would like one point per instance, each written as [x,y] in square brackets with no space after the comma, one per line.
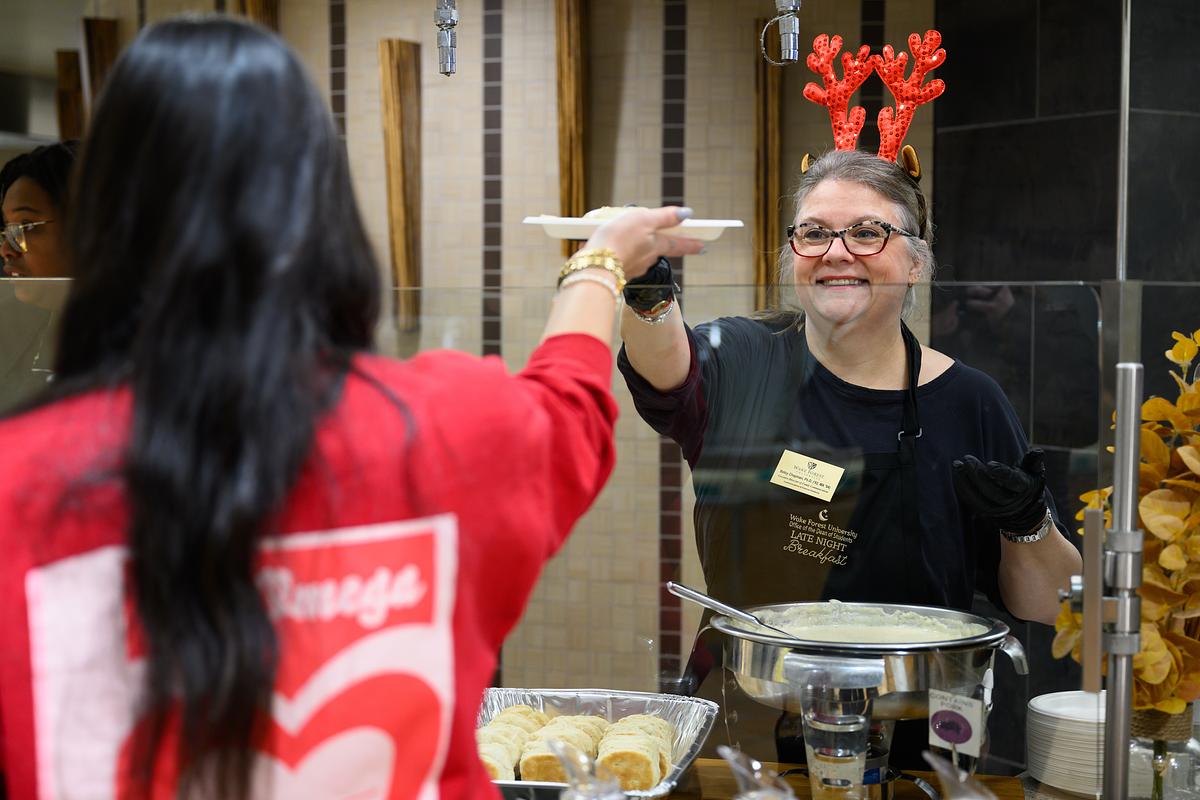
[400,85]
[264,12]
[101,43]
[68,94]
[767,166]
[570,18]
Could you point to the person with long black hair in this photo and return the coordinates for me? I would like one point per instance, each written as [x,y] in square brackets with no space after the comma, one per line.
[243,556]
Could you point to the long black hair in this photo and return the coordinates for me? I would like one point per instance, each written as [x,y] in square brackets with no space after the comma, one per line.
[222,275]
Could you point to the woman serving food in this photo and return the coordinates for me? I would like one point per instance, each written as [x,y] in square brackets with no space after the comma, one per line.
[833,456]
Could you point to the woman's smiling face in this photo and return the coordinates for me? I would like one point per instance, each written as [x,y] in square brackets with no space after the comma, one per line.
[840,287]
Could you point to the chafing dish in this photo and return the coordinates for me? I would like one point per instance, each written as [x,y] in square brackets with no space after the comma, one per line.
[772,669]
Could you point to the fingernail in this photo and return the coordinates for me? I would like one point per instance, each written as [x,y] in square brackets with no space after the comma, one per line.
[702,251]
[683,212]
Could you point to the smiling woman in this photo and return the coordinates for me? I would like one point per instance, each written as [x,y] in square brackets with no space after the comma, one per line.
[894,503]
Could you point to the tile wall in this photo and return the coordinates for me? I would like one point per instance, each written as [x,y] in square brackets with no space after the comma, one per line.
[593,619]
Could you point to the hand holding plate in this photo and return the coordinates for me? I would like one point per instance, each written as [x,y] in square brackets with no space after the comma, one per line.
[636,237]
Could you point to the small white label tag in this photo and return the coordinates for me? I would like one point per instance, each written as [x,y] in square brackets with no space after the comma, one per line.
[829,772]
[811,476]
[955,722]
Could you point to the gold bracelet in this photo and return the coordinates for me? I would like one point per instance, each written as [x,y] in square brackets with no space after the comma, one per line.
[580,277]
[596,257]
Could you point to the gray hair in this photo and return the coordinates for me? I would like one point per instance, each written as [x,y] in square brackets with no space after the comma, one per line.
[890,181]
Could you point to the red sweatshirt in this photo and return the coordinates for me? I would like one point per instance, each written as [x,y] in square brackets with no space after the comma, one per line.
[404,558]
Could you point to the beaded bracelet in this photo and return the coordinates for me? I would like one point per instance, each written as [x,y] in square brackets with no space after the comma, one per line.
[600,257]
[578,277]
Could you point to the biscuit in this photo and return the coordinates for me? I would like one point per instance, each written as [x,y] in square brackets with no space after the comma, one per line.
[495,761]
[594,727]
[655,726]
[527,712]
[633,759]
[510,736]
[522,721]
[501,741]
[659,734]
[538,763]
[566,732]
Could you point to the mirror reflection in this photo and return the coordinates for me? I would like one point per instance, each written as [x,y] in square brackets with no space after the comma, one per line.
[870,410]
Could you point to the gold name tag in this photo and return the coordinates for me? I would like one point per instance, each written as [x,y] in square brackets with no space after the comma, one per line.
[802,473]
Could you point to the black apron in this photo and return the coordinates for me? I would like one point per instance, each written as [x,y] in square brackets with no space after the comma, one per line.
[762,543]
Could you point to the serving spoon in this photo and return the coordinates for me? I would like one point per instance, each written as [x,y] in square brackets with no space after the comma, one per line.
[701,599]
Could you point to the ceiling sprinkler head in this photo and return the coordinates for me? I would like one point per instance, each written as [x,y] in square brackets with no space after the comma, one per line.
[446,18]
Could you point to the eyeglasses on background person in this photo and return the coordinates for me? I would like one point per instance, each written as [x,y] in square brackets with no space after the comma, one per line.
[14,234]
[862,239]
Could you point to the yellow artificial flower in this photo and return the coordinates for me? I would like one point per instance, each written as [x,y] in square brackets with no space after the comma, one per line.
[1183,352]
[1167,668]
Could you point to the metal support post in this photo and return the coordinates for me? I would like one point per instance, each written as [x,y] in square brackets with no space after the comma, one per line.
[1123,576]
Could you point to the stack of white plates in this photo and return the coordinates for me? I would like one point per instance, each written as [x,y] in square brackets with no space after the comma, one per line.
[1065,741]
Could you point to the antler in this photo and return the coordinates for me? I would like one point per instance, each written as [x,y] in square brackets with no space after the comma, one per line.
[836,94]
[909,93]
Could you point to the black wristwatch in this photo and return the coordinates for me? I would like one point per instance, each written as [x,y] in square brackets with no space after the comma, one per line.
[652,291]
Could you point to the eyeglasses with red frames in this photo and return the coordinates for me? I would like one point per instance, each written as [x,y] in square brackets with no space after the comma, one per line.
[14,234]
[865,238]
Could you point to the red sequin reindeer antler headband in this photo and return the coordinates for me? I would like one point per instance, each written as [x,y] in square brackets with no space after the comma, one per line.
[909,92]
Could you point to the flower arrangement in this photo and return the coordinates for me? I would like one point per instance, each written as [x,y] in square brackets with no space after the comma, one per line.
[1167,669]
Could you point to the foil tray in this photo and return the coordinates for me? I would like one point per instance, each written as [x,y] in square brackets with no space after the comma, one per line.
[692,717]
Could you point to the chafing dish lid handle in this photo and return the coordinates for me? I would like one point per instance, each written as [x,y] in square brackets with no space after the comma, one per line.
[1016,653]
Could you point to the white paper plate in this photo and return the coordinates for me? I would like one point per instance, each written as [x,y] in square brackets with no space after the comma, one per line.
[1084,779]
[1073,706]
[1081,759]
[1074,758]
[581,227]
[1070,785]
[1064,732]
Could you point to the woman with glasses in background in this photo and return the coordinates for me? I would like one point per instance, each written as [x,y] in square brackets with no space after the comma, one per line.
[833,456]
[245,557]
[33,202]
[33,209]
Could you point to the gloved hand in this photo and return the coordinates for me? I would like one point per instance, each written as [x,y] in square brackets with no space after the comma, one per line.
[646,291]
[1012,496]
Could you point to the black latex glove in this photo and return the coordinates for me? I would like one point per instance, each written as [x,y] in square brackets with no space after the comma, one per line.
[1012,496]
[646,291]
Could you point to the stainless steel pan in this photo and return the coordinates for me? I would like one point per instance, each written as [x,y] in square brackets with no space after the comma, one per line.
[772,669]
